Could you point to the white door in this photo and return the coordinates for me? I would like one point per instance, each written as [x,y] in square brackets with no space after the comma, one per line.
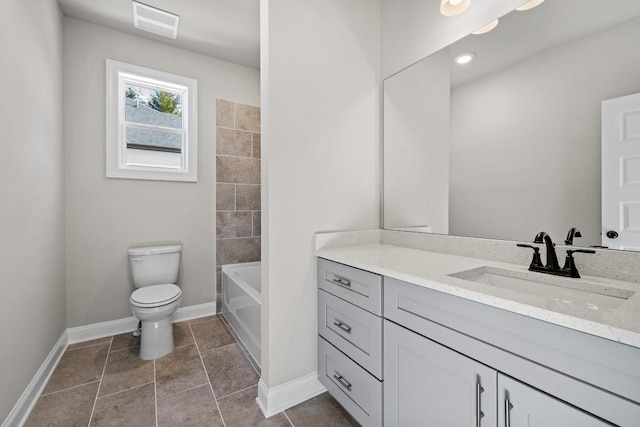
[621,173]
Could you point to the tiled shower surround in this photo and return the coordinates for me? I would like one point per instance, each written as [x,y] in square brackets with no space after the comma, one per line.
[237,185]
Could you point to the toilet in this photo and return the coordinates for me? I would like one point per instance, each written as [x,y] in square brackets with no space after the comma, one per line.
[155,273]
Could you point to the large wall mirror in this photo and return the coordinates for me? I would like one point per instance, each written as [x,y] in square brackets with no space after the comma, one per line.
[539,131]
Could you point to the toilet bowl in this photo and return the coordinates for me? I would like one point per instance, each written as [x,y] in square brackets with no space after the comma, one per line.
[155,272]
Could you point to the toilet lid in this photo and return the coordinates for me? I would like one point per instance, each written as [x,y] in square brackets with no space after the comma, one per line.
[156,295]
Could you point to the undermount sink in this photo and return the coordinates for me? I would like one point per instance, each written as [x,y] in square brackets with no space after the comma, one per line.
[572,292]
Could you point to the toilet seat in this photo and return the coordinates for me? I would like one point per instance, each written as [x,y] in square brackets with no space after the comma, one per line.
[155,296]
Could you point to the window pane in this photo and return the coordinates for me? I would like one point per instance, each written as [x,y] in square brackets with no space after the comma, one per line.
[153,139]
[152,106]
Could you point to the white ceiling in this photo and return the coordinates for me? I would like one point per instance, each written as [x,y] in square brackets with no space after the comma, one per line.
[522,34]
[225,29]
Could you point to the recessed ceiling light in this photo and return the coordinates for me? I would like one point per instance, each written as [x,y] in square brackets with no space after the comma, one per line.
[486,28]
[465,58]
[453,7]
[529,5]
[153,20]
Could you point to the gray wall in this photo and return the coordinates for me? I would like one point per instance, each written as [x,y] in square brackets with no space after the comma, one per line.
[106,216]
[525,147]
[31,187]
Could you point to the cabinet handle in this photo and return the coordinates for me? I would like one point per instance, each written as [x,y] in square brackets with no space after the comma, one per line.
[507,413]
[479,413]
[346,384]
[342,326]
[342,282]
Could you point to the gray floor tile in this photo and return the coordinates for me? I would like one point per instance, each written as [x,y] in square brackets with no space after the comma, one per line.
[125,370]
[321,411]
[211,334]
[125,340]
[182,334]
[77,367]
[89,343]
[240,410]
[229,370]
[132,408]
[67,408]
[192,408]
[178,371]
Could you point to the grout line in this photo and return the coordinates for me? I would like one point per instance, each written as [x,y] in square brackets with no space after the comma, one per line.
[155,390]
[238,391]
[184,391]
[231,238]
[68,388]
[126,389]
[288,419]
[238,157]
[104,368]
[208,379]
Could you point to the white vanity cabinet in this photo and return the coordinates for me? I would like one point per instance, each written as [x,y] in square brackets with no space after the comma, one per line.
[350,339]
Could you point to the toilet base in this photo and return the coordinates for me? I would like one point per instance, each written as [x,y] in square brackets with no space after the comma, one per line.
[156,339]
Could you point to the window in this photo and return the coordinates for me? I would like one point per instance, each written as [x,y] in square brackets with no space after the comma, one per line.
[152,125]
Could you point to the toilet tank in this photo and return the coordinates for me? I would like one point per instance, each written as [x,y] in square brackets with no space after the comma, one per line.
[154,265]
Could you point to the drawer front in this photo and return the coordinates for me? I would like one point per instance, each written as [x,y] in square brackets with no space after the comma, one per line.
[354,331]
[354,388]
[359,287]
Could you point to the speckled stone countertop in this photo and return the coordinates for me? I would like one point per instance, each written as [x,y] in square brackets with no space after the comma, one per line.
[618,322]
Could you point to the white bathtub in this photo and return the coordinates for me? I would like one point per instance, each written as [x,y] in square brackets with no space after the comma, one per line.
[241,303]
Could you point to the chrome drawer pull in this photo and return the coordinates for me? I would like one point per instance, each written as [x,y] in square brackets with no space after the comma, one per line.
[507,413]
[342,282]
[342,326]
[479,413]
[346,384]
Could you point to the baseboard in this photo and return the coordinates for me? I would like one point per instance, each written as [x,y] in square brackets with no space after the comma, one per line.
[27,401]
[279,398]
[195,311]
[128,324]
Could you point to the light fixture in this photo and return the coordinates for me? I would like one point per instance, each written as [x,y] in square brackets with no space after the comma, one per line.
[153,20]
[529,5]
[486,28]
[465,58]
[453,7]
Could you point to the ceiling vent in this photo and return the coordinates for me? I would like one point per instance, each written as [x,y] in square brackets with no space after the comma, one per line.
[155,21]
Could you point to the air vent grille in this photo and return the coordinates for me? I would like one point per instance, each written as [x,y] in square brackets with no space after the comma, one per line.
[154,20]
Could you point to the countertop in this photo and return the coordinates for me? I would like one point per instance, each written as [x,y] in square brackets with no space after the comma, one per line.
[432,270]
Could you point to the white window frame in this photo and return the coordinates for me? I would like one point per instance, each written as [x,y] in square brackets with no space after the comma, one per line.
[118,74]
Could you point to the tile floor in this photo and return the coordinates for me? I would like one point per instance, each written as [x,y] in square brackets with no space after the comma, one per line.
[206,381]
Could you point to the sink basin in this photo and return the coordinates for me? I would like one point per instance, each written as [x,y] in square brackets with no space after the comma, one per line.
[574,292]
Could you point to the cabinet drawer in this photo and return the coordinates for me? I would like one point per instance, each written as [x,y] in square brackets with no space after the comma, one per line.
[354,331]
[354,388]
[359,287]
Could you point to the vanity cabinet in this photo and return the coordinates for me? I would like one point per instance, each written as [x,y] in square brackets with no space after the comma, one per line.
[427,384]
[521,405]
[350,339]
[398,354]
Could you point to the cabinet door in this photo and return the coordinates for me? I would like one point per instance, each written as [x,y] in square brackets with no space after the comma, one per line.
[427,384]
[525,406]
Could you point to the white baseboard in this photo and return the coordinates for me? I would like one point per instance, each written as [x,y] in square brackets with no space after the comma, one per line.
[27,401]
[195,311]
[128,324]
[276,399]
